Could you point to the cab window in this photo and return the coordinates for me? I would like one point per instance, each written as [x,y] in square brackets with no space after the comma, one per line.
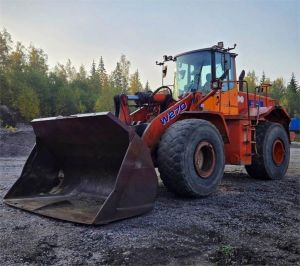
[222,62]
[193,72]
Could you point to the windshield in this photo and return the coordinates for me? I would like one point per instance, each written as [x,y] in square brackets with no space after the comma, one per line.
[193,72]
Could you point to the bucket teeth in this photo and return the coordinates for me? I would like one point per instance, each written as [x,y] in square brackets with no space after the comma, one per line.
[90,169]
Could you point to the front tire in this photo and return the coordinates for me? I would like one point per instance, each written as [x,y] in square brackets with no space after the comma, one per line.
[273,152]
[191,158]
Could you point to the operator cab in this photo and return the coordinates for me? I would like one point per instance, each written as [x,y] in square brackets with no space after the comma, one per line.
[196,70]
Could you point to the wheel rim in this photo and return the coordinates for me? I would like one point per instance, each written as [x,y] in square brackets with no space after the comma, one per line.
[204,159]
[278,152]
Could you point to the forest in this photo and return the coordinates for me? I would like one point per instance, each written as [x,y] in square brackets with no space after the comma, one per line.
[31,89]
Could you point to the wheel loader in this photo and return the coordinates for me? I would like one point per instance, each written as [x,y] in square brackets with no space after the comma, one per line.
[100,167]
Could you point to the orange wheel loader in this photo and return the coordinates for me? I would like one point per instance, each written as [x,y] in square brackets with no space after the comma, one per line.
[100,167]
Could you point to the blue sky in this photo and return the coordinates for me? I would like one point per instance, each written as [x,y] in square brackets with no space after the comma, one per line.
[267,32]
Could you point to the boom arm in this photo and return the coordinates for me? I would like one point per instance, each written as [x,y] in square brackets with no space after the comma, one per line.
[191,102]
[147,103]
[157,109]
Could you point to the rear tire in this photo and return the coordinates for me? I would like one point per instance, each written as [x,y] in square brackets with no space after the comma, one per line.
[273,152]
[191,158]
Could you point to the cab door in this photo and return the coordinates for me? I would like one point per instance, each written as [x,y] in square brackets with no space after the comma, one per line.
[225,100]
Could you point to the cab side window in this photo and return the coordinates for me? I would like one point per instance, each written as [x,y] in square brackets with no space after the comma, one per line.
[220,61]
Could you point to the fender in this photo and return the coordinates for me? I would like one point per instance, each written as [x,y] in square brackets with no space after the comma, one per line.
[217,119]
[279,115]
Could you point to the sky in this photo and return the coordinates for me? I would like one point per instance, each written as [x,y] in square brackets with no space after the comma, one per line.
[267,32]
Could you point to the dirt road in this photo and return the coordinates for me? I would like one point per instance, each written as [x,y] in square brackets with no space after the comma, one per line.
[245,222]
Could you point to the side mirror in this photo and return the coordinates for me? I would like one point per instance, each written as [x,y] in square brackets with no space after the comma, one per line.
[164,71]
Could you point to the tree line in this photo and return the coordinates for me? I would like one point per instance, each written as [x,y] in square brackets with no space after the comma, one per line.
[31,89]
[287,95]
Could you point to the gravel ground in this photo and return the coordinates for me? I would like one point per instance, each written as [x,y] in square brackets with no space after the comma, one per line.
[245,222]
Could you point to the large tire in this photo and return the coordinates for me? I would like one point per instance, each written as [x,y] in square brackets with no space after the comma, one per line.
[191,158]
[273,152]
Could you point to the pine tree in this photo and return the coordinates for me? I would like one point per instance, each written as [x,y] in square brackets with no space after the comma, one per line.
[292,97]
[116,78]
[94,80]
[293,84]
[102,75]
[147,86]
[263,77]
[124,66]
[93,69]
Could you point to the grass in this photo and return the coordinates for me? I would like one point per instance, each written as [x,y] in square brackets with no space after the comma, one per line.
[226,250]
[10,129]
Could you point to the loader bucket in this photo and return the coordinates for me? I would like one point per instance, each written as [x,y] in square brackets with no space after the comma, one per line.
[89,169]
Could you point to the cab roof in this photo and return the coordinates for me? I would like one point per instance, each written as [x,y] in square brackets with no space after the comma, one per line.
[211,49]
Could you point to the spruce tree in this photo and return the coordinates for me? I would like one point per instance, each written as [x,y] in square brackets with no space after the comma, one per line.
[102,74]
[293,84]
[263,78]
[116,78]
[124,66]
[147,86]
[93,69]
[292,98]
